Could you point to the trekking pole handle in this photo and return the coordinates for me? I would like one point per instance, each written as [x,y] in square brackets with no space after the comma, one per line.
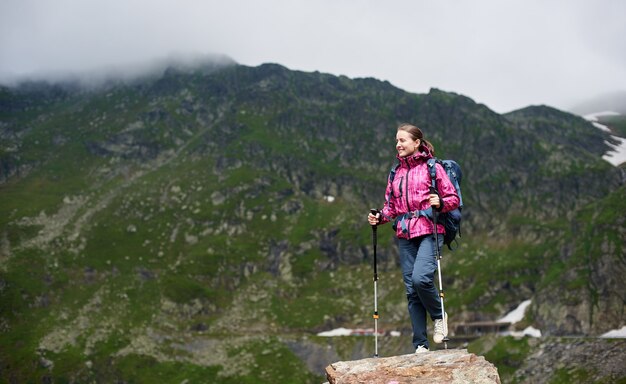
[433,191]
[374,211]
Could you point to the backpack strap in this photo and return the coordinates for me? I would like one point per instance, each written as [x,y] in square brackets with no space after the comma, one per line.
[433,172]
[392,172]
[392,175]
[432,169]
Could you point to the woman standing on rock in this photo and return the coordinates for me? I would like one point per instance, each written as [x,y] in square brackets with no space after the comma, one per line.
[409,203]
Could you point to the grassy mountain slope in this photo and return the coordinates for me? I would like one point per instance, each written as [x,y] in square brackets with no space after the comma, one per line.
[179,228]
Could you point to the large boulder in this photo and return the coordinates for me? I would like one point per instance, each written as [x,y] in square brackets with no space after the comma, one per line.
[445,366]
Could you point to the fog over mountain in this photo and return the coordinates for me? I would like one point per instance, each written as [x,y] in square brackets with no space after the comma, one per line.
[123,73]
[506,55]
[614,101]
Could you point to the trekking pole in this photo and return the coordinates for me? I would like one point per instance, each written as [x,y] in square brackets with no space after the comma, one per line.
[374,241]
[438,257]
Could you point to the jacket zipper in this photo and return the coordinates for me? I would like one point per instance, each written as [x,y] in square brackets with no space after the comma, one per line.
[406,194]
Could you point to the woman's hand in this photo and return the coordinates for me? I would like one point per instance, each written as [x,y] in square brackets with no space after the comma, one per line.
[434,200]
[373,219]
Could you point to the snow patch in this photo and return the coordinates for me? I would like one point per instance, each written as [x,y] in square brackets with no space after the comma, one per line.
[529,331]
[616,155]
[601,127]
[354,332]
[594,116]
[517,314]
[336,332]
[616,333]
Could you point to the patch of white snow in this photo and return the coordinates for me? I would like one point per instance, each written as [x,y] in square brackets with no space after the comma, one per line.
[528,331]
[616,155]
[336,332]
[515,315]
[616,333]
[601,127]
[594,116]
[531,331]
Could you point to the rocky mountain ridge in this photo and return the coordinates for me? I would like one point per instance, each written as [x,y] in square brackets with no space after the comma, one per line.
[204,221]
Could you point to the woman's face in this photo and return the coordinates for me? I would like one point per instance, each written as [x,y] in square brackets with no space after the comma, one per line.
[405,145]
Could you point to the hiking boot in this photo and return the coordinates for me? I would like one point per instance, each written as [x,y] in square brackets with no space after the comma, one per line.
[421,349]
[441,329]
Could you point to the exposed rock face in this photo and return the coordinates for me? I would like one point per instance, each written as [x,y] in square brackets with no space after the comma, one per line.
[445,366]
[570,360]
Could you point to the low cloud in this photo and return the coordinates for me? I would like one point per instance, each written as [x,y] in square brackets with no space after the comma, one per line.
[506,55]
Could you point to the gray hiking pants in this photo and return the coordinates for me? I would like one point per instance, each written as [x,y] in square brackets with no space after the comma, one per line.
[419,263]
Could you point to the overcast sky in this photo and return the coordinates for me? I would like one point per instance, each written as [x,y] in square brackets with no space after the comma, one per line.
[505,54]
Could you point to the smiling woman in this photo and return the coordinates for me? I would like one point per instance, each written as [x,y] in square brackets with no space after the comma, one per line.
[410,192]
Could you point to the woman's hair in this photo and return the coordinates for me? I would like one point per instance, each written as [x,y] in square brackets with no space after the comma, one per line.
[416,134]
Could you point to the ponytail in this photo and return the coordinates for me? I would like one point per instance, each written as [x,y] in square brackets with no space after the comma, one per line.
[428,145]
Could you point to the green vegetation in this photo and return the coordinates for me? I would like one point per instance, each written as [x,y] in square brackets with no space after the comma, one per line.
[507,353]
[196,226]
[616,123]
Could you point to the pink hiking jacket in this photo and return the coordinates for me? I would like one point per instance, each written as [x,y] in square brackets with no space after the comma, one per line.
[409,192]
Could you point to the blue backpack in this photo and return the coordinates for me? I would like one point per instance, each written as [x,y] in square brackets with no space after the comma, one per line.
[450,220]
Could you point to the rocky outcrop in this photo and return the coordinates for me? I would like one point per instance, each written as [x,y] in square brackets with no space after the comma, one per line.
[574,360]
[444,366]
